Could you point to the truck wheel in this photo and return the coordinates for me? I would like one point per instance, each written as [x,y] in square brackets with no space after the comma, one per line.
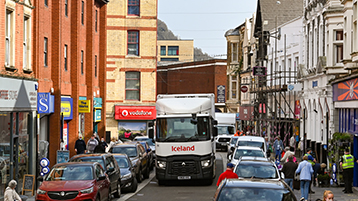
[208,182]
[161,182]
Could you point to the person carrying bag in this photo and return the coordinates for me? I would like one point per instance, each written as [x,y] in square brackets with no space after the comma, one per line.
[305,172]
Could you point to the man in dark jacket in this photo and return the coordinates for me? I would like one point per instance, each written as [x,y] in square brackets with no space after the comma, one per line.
[80,145]
[289,170]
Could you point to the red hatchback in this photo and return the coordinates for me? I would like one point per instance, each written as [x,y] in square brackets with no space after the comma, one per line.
[75,181]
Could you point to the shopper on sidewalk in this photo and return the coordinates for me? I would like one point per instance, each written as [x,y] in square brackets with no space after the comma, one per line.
[10,192]
[305,170]
[91,144]
[289,170]
[80,145]
[287,154]
[278,147]
[347,163]
[228,174]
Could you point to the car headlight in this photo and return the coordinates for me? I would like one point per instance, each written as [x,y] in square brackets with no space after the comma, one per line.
[127,176]
[161,164]
[205,163]
[88,190]
[40,192]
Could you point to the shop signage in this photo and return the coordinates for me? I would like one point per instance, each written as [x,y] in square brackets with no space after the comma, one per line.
[221,93]
[346,90]
[84,106]
[134,112]
[97,103]
[297,109]
[259,71]
[97,115]
[17,95]
[246,112]
[45,103]
[314,84]
[237,116]
[66,108]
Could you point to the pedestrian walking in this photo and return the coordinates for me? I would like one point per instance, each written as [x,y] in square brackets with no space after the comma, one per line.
[287,154]
[104,143]
[228,174]
[80,145]
[305,171]
[99,148]
[10,192]
[91,144]
[347,164]
[289,170]
[312,161]
[292,143]
[278,147]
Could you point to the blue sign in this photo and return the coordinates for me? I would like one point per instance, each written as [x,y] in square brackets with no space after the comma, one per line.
[97,103]
[44,162]
[237,116]
[314,84]
[97,115]
[44,171]
[45,103]
[66,108]
[221,94]
[63,156]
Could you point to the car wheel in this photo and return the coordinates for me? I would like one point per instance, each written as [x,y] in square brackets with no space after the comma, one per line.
[146,173]
[139,175]
[134,185]
[117,194]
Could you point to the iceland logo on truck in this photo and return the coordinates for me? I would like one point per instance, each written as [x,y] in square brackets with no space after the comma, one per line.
[183,148]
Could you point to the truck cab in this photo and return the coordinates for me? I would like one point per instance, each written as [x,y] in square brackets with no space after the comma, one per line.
[226,129]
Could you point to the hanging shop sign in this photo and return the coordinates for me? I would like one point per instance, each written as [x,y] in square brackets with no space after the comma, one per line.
[297,109]
[97,115]
[66,108]
[16,94]
[134,112]
[84,106]
[221,93]
[97,103]
[259,71]
[246,112]
[346,90]
[244,89]
[45,103]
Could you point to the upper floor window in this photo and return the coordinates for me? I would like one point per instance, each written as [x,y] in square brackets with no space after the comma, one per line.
[133,43]
[8,37]
[95,65]
[132,85]
[65,58]
[173,50]
[26,50]
[338,46]
[133,7]
[95,21]
[45,51]
[66,7]
[46,2]
[234,52]
[234,87]
[163,50]
[82,62]
[83,13]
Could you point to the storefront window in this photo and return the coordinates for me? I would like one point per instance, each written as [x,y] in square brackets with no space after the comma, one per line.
[131,129]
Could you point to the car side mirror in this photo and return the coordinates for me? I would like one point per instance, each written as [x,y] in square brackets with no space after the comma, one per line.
[102,177]
[111,169]
[282,175]
[230,157]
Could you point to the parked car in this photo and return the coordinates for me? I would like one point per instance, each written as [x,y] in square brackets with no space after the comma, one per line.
[253,189]
[231,145]
[149,140]
[75,181]
[128,176]
[256,167]
[246,151]
[138,156]
[110,166]
[149,152]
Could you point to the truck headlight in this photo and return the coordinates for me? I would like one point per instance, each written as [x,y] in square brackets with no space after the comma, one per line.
[88,190]
[161,164]
[40,192]
[205,163]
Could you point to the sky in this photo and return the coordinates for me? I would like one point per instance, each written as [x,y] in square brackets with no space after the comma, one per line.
[205,21]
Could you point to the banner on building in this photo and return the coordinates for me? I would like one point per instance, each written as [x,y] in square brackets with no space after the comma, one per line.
[84,106]
[45,103]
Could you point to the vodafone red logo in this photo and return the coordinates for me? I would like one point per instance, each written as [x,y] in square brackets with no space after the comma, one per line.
[135,112]
[124,113]
[183,148]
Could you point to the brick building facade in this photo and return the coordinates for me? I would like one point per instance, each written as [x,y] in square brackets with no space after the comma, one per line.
[131,65]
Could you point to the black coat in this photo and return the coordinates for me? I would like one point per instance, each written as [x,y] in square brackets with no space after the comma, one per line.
[80,145]
[99,148]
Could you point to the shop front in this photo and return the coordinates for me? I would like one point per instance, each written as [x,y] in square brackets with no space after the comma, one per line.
[66,116]
[133,120]
[97,113]
[18,101]
[45,107]
[84,106]
[345,98]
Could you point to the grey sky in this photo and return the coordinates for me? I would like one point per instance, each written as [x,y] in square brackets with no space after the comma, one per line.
[205,21]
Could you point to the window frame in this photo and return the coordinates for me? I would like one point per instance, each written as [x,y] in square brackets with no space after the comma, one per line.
[96,21]
[133,5]
[8,37]
[66,8]
[26,43]
[338,46]
[95,66]
[65,57]
[132,89]
[46,3]
[45,51]
[82,12]
[129,43]
[234,52]
[161,50]
[170,50]
[82,55]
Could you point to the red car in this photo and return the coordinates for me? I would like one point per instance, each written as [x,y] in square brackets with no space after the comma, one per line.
[75,181]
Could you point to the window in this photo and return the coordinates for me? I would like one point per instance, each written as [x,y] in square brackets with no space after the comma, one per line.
[46,2]
[234,52]
[173,50]
[26,41]
[169,59]
[66,8]
[65,57]
[95,65]
[133,43]
[8,38]
[95,21]
[45,51]
[133,7]
[132,85]
[163,50]
[234,87]
[82,62]
[82,13]
[338,45]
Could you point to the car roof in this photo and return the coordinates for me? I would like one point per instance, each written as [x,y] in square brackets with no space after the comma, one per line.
[90,155]
[253,158]
[126,144]
[255,183]
[75,164]
[252,138]
[141,137]
[256,162]
[248,148]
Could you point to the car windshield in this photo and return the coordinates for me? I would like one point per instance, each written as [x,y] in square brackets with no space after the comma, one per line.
[90,159]
[256,171]
[122,162]
[70,173]
[229,130]
[243,152]
[150,141]
[238,193]
[233,141]
[130,151]
[251,144]
[183,129]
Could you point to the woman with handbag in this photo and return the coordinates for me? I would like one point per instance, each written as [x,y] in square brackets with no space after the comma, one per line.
[305,171]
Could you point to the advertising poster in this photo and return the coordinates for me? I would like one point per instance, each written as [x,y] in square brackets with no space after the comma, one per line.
[128,129]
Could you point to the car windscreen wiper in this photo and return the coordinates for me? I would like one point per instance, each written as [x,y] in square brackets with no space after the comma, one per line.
[193,138]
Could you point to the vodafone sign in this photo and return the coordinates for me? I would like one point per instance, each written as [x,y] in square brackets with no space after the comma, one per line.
[134,112]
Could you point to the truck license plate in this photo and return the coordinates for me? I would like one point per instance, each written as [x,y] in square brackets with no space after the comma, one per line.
[184,177]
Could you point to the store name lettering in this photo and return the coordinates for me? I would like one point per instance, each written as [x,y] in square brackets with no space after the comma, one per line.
[183,148]
[8,95]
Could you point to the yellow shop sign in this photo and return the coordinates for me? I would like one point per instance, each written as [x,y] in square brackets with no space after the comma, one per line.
[84,106]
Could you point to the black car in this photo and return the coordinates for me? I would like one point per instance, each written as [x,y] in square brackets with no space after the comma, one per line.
[109,164]
[253,189]
[128,176]
[149,152]
[139,157]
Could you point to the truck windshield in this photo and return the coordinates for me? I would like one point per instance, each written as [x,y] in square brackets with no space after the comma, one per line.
[182,129]
[228,130]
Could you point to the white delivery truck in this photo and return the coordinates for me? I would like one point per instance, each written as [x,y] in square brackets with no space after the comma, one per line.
[184,137]
[226,129]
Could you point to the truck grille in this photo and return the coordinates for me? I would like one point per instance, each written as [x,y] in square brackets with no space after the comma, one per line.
[184,168]
[62,195]
[224,139]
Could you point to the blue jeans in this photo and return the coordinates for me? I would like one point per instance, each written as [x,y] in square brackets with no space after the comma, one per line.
[278,152]
[289,182]
[305,184]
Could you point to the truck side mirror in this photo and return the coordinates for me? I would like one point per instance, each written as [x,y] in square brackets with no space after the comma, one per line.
[151,133]
[215,122]
[215,131]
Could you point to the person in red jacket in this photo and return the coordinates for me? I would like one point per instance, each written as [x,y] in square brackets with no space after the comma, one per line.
[228,174]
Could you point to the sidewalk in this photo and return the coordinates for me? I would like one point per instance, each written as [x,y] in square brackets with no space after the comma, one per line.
[337,191]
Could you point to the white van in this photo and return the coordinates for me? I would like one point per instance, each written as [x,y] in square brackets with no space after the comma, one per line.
[252,141]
